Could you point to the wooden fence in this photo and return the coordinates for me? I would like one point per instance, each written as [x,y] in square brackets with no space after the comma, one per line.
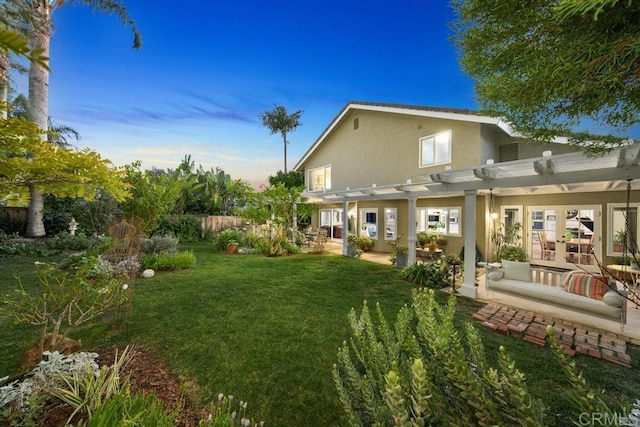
[13,219]
[219,223]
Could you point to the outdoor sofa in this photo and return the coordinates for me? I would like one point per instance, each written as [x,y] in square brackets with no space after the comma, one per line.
[576,290]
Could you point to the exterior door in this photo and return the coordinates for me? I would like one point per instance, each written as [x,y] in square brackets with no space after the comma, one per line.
[331,220]
[564,236]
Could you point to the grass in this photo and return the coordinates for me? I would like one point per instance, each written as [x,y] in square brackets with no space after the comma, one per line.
[266,330]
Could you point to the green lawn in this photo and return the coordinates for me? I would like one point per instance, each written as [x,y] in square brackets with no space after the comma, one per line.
[266,330]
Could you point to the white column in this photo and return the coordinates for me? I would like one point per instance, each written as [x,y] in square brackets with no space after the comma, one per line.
[294,221]
[411,238]
[468,288]
[345,225]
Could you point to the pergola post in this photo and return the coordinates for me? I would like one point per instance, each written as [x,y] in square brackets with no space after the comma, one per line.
[468,288]
[345,226]
[411,238]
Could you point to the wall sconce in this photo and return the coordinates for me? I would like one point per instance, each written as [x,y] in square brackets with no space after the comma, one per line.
[492,205]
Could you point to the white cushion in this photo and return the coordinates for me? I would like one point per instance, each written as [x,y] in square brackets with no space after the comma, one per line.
[612,298]
[495,274]
[516,270]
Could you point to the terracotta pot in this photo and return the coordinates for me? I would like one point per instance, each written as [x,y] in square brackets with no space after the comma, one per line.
[231,249]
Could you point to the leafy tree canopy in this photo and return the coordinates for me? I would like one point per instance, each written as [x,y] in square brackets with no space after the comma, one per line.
[549,67]
[290,179]
[280,121]
[26,161]
[12,42]
[154,195]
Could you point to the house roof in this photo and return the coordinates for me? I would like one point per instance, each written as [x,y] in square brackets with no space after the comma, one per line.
[459,114]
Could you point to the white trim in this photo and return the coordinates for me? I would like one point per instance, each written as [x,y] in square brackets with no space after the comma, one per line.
[309,181]
[434,137]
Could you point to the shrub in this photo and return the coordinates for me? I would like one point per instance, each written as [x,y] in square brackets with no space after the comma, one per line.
[64,300]
[291,248]
[422,375]
[252,240]
[225,413]
[157,244]
[187,228]
[420,371]
[66,242]
[21,400]
[431,275]
[223,238]
[23,249]
[168,261]
[513,253]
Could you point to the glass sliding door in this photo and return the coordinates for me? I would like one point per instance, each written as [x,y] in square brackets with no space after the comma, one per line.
[332,221]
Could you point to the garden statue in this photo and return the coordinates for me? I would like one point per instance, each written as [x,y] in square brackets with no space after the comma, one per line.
[73,226]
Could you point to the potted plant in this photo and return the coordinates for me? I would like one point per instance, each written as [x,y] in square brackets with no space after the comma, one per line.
[441,242]
[619,240]
[399,253]
[353,246]
[432,242]
[423,239]
[232,245]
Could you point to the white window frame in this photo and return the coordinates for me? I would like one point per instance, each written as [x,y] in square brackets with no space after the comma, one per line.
[450,217]
[390,223]
[327,181]
[364,225]
[431,143]
[611,232]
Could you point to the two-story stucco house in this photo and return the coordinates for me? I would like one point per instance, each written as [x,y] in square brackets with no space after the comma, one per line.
[389,170]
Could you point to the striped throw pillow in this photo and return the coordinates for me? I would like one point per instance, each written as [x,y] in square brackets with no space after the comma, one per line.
[586,284]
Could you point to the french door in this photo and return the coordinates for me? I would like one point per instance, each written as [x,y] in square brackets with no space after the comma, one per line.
[564,236]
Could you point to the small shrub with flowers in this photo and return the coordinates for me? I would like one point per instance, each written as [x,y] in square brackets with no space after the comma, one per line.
[225,413]
[65,299]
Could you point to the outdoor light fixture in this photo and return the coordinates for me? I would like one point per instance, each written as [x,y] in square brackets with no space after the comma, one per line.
[492,205]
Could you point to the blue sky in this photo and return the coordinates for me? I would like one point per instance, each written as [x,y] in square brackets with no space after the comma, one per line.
[207,69]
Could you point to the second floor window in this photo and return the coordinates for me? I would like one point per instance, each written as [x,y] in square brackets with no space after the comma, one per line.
[320,178]
[435,149]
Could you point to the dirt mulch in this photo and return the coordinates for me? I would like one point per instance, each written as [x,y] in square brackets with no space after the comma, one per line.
[149,375]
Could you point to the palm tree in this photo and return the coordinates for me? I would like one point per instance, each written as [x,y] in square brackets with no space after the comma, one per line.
[37,19]
[279,121]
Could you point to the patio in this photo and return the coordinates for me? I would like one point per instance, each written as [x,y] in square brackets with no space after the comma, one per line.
[630,333]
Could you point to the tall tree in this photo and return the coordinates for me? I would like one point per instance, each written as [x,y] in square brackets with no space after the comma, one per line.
[279,121]
[549,67]
[37,19]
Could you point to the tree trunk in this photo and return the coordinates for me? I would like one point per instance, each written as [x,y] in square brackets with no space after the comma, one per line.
[35,225]
[39,110]
[284,137]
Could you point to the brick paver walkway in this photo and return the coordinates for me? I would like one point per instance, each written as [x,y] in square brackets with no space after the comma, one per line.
[573,337]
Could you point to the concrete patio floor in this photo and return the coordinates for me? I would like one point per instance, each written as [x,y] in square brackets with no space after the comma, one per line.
[630,332]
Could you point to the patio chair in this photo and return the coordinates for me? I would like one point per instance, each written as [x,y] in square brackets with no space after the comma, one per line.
[586,256]
[545,250]
[321,238]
